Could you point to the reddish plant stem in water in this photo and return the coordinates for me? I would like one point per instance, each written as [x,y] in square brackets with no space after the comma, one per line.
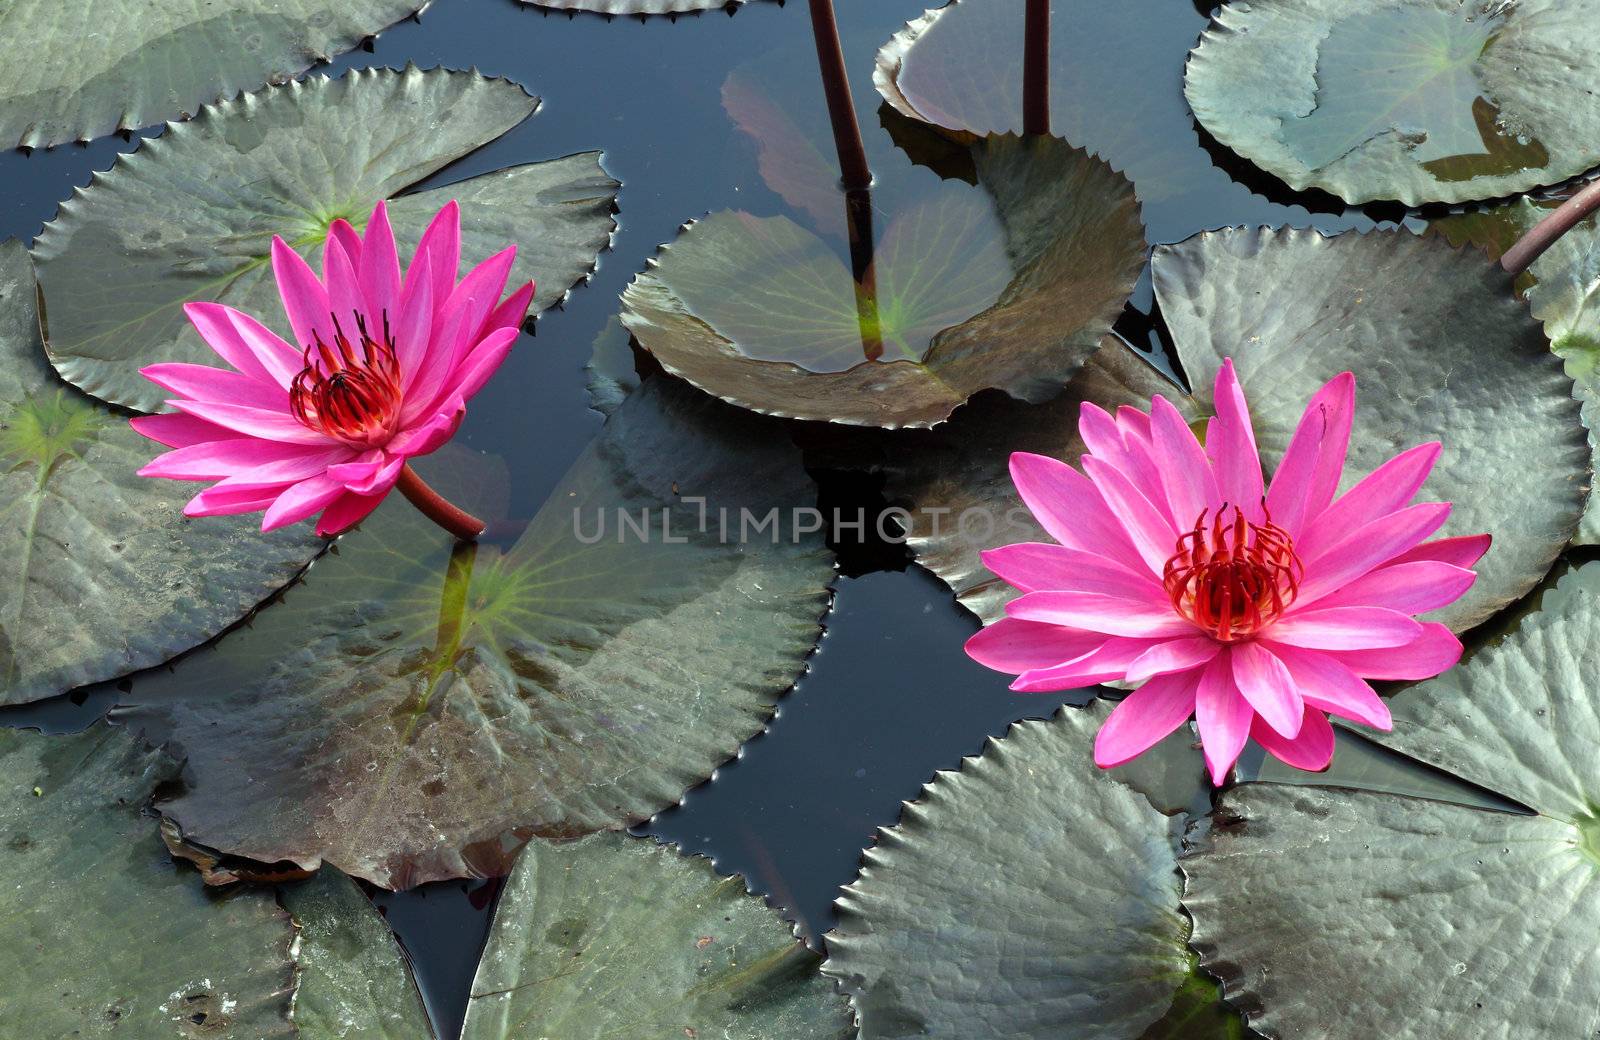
[457,521]
[841,109]
[1543,235]
[1036,69]
[863,269]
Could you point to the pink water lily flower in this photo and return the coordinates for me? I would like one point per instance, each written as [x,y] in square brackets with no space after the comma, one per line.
[1254,610]
[380,371]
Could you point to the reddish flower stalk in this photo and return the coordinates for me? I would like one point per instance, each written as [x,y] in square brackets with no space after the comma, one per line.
[841,109]
[436,507]
[1036,69]
[1543,235]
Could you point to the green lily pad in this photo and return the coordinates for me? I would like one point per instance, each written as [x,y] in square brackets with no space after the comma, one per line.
[103,575]
[75,73]
[1319,906]
[191,214]
[353,982]
[1009,283]
[1441,349]
[955,483]
[105,937]
[613,936]
[1025,895]
[449,700]
[1415,101]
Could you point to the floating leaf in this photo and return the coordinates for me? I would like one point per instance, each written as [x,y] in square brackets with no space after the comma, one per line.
[613,374]
[1441,350]
[1008,284]
[1419,102]
[639,8]
[445,699]
[103,575]
[1025,895]
[105,936]
[354,983]
[613,936]
[191,214]
[75,73]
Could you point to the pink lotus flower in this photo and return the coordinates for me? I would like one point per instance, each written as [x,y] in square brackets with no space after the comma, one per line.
[380,372]
[1255,613]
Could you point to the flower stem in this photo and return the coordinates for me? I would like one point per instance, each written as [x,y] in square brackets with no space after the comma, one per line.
[841,109]
[1036,69]
[457,521]
[1543,235]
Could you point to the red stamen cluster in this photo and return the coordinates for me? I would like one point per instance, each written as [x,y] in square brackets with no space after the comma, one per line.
[354,396]
[1235,577]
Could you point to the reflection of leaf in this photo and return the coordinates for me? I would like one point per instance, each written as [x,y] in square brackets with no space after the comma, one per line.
[1008,284]
[1418,102]
[790,159]
[615,936]
[1319,906]
[74,72]
[1027,895]
[191,215]
[100,572]
[444,700]
[1441,350]
[105,936]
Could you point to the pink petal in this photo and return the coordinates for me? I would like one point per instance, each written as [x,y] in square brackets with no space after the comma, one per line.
[180,431]
[428,436]
[1368,546]
[344,291]
[482,363]
[282,361]
[512,313]
[202,382]
[379,270]
[1014,646]
[1311,749]
[1034,566]
[413,331]
[1152,536]
[300,501]
[1328,685]
[1410,588]
[1108,661]
[1173,655]
[305,300]
[1191,487]
[1435,651]
[229,501]
[1345,628]
[434,371]
[1231,446]
[1069,508]
[1145,717]
[215,460]
[264,358]
[256,422]
[477,296]
[381,479]
[1267,685]
[1223,717]
[349,242]
[1095,612]
[1381,493]
[345,512]
[1461,551]
[441,244]
[1129,455]
[1307,478]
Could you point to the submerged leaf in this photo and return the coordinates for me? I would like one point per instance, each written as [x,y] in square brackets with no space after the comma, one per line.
[191,214]
[75,72]
[103,575]
[1026,896]
[1010,283]
[613,936]
[106,938]
[1419,102]
[416,706]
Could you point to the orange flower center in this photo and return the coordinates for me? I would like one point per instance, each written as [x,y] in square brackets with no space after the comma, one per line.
[1234,577]
[350,392]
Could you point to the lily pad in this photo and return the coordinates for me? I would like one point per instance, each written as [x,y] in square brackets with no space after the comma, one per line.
[75,73]
[103,575]
[1416,101]
[1441,350]
[1025,896]
[638,8]
[353,981]
[105,937]
[446,701]
[191,214]
[613,936]
[1010,283]
[613,374]
[954,483]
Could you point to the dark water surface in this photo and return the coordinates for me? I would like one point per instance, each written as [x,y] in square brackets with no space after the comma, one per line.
[889,697]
